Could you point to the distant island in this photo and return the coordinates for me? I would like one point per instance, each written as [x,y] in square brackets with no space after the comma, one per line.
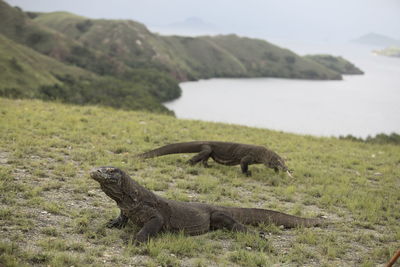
[390,47]
[120,63]
[392,51]
[377,40]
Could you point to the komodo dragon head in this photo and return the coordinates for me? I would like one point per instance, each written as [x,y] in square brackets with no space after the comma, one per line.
[111,180]
[274,161]
[121,187]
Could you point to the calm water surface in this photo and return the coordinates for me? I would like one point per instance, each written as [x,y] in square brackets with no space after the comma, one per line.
[358,105]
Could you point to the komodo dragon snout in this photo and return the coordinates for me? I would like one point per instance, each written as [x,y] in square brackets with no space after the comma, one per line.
[278,164]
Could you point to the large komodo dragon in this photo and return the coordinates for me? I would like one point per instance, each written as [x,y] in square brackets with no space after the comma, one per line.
[154,213]
[226,153]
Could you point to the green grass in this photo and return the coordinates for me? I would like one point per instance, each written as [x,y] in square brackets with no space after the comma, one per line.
[51,213]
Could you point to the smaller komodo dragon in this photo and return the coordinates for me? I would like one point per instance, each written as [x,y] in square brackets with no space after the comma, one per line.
[155,214]
[226,153]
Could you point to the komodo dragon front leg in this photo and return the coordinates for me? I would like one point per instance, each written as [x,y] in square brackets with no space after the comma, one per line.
[119,222]
[151,220]
[149,229]
[152,225]
[203,156]
[244,165]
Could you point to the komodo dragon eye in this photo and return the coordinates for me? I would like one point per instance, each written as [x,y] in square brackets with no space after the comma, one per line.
[111,170]
[113,174]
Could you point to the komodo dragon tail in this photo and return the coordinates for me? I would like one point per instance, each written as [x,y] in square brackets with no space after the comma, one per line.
[256,216]
[185,147]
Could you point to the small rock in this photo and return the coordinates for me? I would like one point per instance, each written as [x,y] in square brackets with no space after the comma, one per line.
[173,255]
[378,174]
[44,212]
[248,248]
[91,193]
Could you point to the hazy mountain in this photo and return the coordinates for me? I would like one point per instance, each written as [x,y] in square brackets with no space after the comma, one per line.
[377,40]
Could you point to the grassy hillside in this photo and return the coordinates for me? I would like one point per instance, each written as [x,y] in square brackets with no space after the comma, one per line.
[186,58]
[19,27]
[26,73]
[24,69]
[337,64]
[51,213]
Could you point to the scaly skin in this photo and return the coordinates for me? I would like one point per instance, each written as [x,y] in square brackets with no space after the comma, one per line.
[226,153]
[154,213]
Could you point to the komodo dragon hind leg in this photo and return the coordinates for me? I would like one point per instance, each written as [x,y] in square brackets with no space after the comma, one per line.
[203,156]
[118,222]
[220,220]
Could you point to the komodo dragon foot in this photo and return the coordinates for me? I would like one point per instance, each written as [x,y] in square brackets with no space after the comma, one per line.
[119,222]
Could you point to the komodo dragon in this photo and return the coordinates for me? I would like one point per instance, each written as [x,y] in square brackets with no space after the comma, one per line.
[226,153]
[155,214]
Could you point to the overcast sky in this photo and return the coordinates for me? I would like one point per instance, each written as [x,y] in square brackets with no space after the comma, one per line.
[335,20]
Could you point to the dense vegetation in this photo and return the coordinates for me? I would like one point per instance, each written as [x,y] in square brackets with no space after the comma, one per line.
[52,214]
[392,138]
[337,64]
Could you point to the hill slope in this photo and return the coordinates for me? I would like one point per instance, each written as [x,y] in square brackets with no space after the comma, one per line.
[23,68]
[26,73]
[337,64]
[52,214]
[187,58]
